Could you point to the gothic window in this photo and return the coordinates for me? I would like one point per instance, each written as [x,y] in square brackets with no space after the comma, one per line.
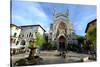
[62,25]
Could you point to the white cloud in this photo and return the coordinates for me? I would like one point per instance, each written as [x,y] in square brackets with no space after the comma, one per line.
[38,12]
[17,19]
[35,10]
[20,20]
[30,13]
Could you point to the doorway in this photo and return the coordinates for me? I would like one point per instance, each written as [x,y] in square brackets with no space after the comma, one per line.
[62,43]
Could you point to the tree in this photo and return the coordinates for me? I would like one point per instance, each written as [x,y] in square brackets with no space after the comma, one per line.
[92,35]
[80,39]
[39,40]
[80,42]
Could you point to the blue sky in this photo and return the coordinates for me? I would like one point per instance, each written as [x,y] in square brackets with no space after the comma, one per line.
[30,13]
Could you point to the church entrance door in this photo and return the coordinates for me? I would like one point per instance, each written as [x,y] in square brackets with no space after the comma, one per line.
[62,43]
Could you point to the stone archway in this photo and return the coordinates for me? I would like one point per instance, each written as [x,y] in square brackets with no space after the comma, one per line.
[62,43]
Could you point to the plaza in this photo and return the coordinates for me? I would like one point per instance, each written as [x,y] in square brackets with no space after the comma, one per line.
[50,57]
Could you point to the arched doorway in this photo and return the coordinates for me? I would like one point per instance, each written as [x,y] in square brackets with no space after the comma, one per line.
[62,43]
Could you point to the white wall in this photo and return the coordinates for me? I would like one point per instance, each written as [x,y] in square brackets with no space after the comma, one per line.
[40,30]
[13,30]
[26,31]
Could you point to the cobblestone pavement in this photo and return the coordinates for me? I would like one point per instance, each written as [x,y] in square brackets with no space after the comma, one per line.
[50,57]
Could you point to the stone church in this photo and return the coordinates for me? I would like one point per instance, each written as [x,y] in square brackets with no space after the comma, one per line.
[61,32]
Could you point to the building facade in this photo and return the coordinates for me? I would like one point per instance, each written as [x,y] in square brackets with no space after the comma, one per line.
[90,27]
[91,35]
[61,31]
[28,33]
[14,34]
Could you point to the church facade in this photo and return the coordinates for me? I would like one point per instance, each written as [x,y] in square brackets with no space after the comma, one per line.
[61,31]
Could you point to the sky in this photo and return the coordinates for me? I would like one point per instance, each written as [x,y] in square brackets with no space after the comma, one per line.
[31,13]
